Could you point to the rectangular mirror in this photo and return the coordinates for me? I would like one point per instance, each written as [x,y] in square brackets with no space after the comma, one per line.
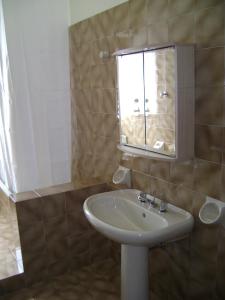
[148,99]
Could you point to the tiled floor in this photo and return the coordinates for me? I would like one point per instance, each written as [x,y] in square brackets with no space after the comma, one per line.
[10,253]
[99,281]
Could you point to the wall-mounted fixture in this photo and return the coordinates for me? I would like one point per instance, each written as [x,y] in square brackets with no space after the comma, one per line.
[122,176]
[212,212]
[137,221]
[104,54]
[156,101]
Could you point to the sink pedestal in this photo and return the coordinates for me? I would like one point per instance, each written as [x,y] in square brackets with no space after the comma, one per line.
[134,273]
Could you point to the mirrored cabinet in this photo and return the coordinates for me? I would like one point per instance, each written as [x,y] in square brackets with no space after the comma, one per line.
[156,101]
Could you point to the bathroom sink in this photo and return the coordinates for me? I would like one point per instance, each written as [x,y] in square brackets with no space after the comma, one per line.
[120,216]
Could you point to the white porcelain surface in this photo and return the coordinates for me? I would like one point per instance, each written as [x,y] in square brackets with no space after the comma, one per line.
[122,176]
[212,212]
[134,273]
[120,216]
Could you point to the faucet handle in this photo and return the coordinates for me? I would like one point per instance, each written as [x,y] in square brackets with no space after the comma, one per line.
[163,206]
[142,197]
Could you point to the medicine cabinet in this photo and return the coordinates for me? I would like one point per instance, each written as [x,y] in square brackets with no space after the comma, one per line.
[156,101]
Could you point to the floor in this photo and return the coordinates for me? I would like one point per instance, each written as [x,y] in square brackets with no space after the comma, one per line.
[10,252]
[99,281]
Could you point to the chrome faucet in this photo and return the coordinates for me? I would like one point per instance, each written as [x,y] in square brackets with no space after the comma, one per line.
[145,198]
[163,206]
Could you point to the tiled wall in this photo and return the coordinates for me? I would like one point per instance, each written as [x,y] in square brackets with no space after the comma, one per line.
[55,235]
[194,268]
[9,235]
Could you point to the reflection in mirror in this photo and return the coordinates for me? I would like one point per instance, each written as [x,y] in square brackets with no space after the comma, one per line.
[146,82]
[131,95]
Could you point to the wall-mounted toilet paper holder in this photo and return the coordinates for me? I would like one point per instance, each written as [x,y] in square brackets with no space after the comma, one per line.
[122,176]
[212,212]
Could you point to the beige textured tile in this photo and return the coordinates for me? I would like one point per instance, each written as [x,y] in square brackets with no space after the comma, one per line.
[207,3]
[96,100]
[108,72]
[74,32]
[85,78]
[110,125]
[137,13]
[197,21]
[139,37]
[104,169]
[75,82]
[74,56]
[183,198]
[177,7]
[141,182]
[109,101]
[122,40]
[157,33]
[157,10]
[208,143]
[210,26]
[9,267]
[84,121]
[97,127]
[207,178]
[84,141]
[181,28]
[182,173]
[100,45]
[121,17]
[102,24]
[209,66]
[198,201]
[162,189]
[141,165]
[85,32]
[160,169]
[209,108]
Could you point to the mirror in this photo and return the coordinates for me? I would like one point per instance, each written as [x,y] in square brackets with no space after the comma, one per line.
[147,100]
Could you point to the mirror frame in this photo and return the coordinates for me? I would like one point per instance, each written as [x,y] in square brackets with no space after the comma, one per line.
[184,103]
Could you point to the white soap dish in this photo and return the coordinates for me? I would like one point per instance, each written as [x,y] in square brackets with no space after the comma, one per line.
[212,212]
[122,176]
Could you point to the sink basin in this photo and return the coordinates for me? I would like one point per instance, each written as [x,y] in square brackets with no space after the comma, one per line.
[120,216]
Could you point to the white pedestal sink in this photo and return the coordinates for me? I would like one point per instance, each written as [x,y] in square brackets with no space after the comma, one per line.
[120,216]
